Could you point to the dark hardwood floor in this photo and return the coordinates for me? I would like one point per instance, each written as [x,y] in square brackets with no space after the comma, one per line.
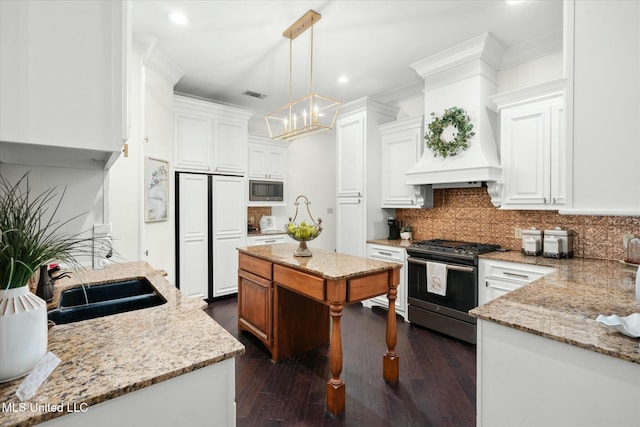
[436,387]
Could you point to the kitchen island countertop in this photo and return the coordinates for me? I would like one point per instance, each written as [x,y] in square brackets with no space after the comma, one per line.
[111,356]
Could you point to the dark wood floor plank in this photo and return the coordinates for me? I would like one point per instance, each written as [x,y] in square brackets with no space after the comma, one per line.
[436,386]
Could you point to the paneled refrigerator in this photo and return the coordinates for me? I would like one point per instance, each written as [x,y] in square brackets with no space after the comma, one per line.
[211,222]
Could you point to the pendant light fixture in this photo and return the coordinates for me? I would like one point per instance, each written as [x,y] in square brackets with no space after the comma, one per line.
[310,114]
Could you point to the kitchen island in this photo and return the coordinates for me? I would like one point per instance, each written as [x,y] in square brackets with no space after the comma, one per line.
[287,301]
[165,365]
[543,359]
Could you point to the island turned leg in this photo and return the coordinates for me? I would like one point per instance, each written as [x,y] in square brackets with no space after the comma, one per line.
[391,361]
[335,386]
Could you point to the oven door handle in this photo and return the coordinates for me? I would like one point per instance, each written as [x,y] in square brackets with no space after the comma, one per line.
[449,266]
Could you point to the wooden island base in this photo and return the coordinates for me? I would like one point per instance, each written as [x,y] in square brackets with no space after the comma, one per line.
[287,302]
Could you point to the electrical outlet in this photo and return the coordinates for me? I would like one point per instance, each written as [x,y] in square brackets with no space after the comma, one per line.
[102,245]
[626,237]
[518,233]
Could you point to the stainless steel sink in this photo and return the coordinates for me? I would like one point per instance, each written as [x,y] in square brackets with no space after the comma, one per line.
[90,302]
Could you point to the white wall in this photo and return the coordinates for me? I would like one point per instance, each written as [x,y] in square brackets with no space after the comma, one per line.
[158,238]
[536,71]
[125,177]
[312,172]
[84,194]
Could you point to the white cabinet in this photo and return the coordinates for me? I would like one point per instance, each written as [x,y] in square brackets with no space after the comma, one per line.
[497,278]
[267,159]
[402,145]
[358,213]
[533,147]
[211,221]
[351,144]
[193,240]
[268,239]
[64,81]
[391,254]
[605,86]
[210,137]
[229,231]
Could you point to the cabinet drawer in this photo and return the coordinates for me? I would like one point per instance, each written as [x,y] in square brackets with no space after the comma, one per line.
[256,266]
[386,253]
[365,287]
[517,272]
[303,283]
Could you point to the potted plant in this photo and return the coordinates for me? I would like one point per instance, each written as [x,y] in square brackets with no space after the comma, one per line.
[30,237]
[405,232]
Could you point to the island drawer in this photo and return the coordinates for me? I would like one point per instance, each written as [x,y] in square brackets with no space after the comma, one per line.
[256,266]
[298,281]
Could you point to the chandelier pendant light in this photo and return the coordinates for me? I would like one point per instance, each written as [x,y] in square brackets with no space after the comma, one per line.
[310,114]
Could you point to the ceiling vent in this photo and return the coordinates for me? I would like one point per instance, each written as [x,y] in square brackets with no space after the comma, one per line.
[254,94]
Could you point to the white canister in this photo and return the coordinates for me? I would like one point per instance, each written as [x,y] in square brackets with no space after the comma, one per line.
[552,247]
[566,238]
[532,242]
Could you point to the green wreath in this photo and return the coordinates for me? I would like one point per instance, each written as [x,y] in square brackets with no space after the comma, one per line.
[454,116]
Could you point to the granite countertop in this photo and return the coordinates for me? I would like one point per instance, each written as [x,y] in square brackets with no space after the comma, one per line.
[563,305]
[110,356]
[399,243]
[328,264]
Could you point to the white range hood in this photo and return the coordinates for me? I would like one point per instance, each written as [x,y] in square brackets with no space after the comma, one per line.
[463,76]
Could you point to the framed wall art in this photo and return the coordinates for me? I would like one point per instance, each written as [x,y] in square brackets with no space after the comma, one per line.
[156,190]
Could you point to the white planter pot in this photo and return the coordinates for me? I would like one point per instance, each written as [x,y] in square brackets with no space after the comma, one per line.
[405,235]
[23,332]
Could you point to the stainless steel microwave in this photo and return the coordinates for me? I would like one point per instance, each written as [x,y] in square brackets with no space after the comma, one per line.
[266,191]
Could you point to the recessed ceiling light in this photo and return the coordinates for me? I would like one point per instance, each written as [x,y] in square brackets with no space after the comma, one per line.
[343,79]
[178,18]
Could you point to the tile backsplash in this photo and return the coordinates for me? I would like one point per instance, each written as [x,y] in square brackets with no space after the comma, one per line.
[254,213]
[467,214]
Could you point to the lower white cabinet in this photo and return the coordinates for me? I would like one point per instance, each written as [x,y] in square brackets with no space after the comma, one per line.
[497,278]
[269,239]
[390,254]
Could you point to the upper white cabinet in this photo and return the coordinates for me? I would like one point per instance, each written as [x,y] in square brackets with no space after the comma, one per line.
[358,149]
[350,145]
[402,145]
[605,54]
[533,147]
[210,137]
[64,82]
[267,159]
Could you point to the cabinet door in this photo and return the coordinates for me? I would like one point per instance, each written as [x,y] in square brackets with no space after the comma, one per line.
[400,151]
[258,155]
[63,73]
[230,146]
[350,142]
[525,154]
[558,150]
[496,288]
[193,235]
[192,141]
[350,226]
[229,231]
[276,164]
[255,302]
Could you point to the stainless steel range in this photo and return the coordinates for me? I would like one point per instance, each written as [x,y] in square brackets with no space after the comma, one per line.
[442,279]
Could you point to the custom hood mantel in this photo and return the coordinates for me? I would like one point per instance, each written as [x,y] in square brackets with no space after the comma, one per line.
[463,76]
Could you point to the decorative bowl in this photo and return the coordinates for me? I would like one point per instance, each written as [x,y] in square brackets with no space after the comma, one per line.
[629,325]
[303,232]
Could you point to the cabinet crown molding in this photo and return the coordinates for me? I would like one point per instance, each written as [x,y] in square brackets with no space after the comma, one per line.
[187,101]
[528,94]
[369,105]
